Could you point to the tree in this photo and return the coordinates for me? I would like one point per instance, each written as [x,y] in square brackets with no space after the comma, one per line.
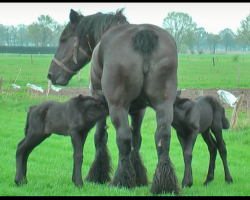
[189,39]
[42,32]
[34,33]
[57,33]
[179,25]
[240,43]
[2,33]
[22,31]
[13,35]
[227,37]
[200,35]
[47,27]
[8,35]
[214,40]
[243,31]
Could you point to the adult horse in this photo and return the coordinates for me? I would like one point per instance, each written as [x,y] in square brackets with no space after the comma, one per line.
[135,66]
[96,25]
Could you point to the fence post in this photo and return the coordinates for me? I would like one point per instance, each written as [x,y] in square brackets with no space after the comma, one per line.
[213,61]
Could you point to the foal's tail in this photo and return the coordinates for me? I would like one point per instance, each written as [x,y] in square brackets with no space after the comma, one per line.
[145,41]
[27,120]
[224,120]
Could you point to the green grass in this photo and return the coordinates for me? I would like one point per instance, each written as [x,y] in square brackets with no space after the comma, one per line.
[34,73]
[50,164]
[197,71]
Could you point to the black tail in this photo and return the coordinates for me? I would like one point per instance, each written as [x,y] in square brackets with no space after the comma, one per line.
[224,120]
[27,120]
[145,41]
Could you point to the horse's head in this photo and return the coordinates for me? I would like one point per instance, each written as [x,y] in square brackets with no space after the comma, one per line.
[77,41]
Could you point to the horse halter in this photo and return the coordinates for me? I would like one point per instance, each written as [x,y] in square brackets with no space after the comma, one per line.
[74,54]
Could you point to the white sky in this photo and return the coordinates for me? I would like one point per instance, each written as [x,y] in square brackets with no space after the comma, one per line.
[214,17]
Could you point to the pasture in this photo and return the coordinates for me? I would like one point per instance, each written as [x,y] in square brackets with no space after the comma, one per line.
[50,164]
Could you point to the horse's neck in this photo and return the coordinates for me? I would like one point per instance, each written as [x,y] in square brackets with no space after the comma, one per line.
[180,103]
[105,29]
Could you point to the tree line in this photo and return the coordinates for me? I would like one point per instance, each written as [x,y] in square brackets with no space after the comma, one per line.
[188,36]
[44,32]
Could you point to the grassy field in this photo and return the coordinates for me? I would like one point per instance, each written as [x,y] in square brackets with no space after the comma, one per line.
[50,164]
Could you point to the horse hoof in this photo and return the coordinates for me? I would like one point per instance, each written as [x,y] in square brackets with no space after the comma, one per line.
[187,185]
[23,181]
[229,181]
[20,183]
[79,185]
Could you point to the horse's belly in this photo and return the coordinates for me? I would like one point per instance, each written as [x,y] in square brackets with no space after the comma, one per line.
[56,128]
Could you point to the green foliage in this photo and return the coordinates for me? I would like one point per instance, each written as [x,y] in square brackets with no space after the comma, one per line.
[243,32]
[50,164]
[181,27]
[183,48]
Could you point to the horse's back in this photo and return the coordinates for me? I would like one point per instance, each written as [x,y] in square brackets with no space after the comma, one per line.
[122,66]
[119,39]
[211,112]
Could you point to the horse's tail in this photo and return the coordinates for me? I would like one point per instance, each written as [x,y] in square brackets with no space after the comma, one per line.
[145,41]
[224,120]
[27,120]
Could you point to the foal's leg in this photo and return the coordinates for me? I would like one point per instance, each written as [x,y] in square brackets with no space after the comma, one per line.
[212,152]
[187,144]
[125,174]
[78,141]
[24,148]
[140,169]
[221,146]
[101,167]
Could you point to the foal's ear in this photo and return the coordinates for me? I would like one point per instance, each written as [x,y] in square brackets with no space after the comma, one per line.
[73,16]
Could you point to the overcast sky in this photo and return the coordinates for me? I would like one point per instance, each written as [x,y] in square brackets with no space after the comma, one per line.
[214,17]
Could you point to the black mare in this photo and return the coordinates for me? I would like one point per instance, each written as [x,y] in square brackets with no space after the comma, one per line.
[135,66]
[73,118]
[202,115]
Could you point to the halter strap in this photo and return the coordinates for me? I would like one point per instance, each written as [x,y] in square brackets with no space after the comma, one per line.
[63,66]
[74,54]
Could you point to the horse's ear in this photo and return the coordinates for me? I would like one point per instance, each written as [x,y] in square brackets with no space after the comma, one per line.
[119,12]
[73,16]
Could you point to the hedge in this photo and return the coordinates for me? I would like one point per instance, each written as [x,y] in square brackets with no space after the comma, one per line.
[28,50]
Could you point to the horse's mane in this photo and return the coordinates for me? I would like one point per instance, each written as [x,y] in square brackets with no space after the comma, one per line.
[81,97]
[101,22]
[179,101]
